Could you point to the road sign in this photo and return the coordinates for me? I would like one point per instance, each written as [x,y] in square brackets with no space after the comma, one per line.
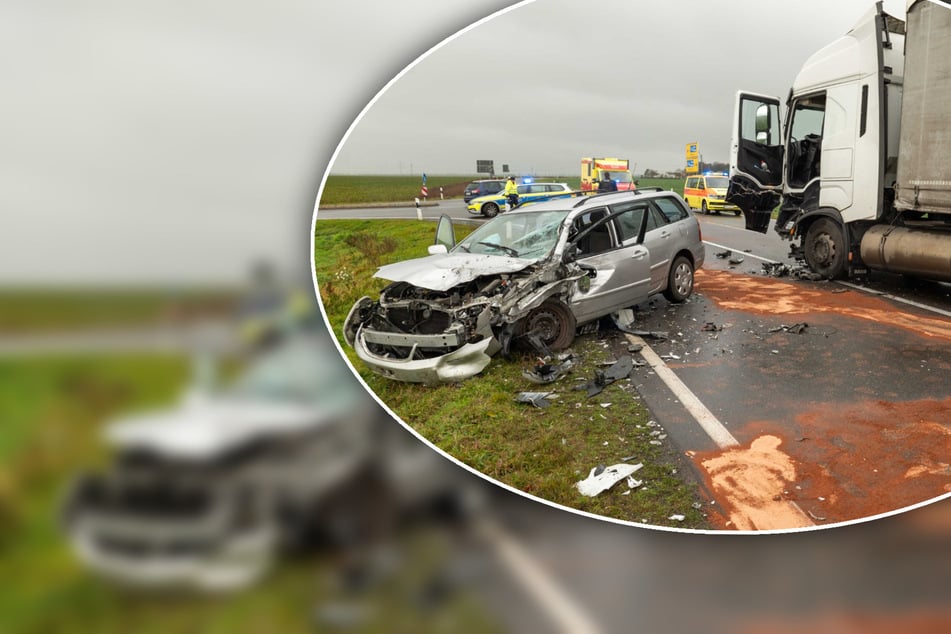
[692,166]
[485,167]
[693,150]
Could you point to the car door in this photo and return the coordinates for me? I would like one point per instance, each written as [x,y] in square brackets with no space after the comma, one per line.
[756,158]
[660,237]
[618,274]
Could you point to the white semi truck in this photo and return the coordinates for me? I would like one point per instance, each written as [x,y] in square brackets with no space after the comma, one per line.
[861,166]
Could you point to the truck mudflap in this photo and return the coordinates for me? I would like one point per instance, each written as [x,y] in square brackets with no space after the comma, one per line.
[757,205]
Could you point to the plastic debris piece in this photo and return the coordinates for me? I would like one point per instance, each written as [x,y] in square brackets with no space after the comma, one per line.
[602,378]
[601,480]
[736,259]
[724,254]
[711,327]
[632,483]
[547,372]
[538,399]
[677,517]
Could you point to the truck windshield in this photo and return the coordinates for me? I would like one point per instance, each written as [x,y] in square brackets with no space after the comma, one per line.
[619,177]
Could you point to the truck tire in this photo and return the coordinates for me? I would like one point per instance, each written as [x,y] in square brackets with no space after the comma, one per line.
[679,280]
[490,210]
[825,249]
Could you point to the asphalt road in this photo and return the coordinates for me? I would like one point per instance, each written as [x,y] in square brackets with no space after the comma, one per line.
[856,396]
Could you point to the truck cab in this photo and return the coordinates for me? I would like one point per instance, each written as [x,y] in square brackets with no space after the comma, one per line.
[827,156]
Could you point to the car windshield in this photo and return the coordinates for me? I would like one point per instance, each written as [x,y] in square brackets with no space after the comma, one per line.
[717,182]
[529,235]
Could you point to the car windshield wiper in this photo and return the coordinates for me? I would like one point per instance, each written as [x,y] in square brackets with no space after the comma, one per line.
[500,247]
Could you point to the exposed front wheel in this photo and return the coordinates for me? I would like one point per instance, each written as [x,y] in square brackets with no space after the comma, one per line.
[490,210]
[824,248]
[679,280]
[553,322]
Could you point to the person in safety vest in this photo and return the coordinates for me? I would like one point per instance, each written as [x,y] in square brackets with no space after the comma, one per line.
[511,192]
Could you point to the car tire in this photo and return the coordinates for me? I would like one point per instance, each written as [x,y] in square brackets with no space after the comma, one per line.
[554,320]
[490,210]
[679,280]
[825,249]
[703,207]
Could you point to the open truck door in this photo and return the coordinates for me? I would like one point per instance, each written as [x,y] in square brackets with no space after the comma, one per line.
[756,159]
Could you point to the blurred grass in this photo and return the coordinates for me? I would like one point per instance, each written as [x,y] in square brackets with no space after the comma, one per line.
[53,411]
[25,310]
[542,452]
[352,190]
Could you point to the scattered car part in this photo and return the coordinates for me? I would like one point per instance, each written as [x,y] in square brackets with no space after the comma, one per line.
[601,478]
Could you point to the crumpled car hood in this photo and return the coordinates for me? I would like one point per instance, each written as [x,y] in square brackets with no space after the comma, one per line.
[442,272]
[206,428]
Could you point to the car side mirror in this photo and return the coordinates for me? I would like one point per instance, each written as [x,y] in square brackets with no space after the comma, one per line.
[437,249]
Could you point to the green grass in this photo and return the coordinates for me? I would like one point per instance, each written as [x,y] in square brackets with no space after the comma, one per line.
[53,411]
[354,190]
[540,451]
[38,310]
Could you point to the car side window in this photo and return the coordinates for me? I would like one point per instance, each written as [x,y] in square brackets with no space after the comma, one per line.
[629,221]
[599,239]
[671,208]
[524,189]
[655,219]
[538,189]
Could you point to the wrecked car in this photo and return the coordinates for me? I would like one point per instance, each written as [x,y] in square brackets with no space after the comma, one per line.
[533,274]
[207,493]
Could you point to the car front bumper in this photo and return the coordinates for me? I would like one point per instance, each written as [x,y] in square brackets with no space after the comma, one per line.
[458,365]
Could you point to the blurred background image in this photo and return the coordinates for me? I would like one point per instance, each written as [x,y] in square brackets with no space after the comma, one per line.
[182,449]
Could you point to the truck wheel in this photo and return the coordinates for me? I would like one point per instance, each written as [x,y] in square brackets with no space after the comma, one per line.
[553,321]
[824,248]
[490,210]
[703,207]
[679,280]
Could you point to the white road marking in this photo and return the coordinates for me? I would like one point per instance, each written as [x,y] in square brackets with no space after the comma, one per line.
[752,255]
[568,616]
[704,417]
[897,299]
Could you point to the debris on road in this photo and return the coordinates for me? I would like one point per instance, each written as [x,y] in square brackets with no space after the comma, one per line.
[547,372]
[711,327]
[602,478]
[538,399]
[736,259]
[723,254]
[621,369]
[796,329]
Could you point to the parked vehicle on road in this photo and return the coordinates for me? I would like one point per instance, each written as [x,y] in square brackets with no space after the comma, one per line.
[482,188]
[490,205]
[532,274]
[707,193]
[596,170]
[860,168]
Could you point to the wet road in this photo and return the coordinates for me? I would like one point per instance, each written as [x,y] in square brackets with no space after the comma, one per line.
[845,416]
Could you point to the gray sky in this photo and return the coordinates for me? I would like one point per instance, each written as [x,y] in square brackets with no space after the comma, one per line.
[545,84]
[175,143]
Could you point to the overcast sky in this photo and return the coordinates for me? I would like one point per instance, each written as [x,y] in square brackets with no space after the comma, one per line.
[178,142]
[549,82]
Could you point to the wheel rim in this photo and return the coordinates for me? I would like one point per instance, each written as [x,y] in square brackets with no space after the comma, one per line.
[683,279]
[547,324]
[491,209]
[824,249]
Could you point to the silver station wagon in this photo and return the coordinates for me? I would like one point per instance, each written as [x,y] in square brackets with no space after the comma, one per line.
[533,274]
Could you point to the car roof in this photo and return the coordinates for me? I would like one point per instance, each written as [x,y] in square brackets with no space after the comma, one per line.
[587,202]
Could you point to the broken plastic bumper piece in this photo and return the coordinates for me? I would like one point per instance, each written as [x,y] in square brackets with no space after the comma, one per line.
[467,361]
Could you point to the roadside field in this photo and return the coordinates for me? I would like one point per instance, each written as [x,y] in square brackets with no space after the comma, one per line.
[44,310]
[53,411]
[354,190]
[540,451]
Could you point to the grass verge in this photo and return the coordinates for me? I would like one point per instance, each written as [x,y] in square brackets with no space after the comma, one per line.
[540,451]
